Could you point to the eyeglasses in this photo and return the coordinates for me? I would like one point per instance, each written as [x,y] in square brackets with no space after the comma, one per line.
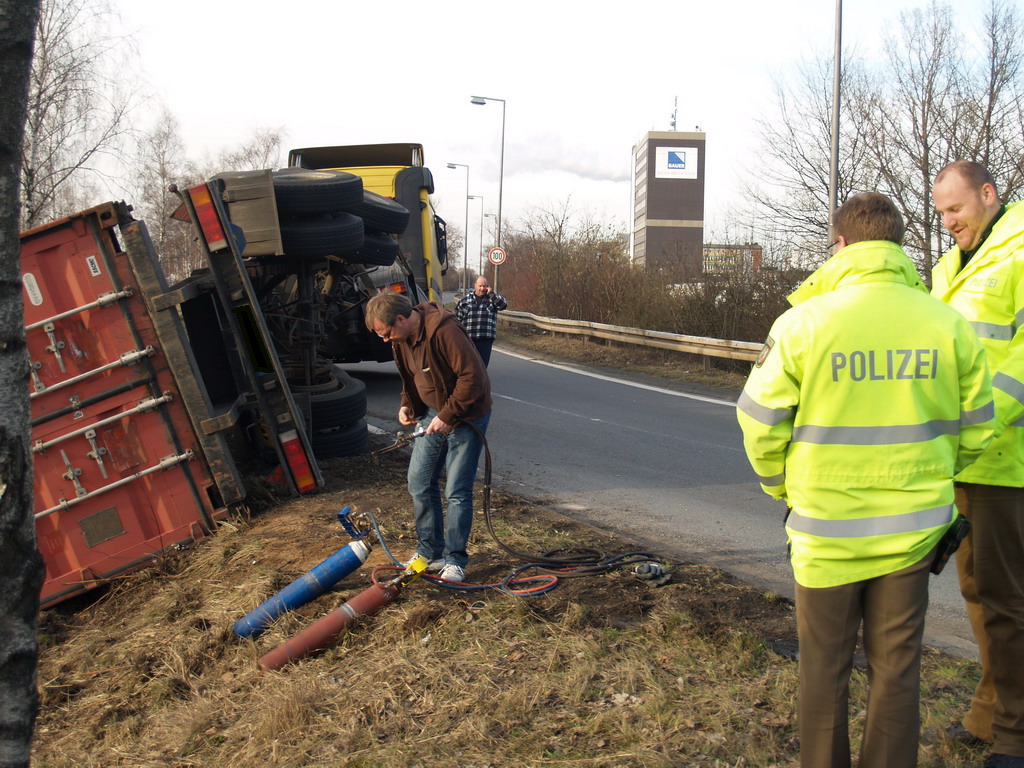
[386,334]
[833,246]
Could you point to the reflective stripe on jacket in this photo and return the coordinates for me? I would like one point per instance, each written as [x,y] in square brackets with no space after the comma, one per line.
[867,399]
[989,292]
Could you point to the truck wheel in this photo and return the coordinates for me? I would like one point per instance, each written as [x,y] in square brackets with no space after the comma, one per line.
[321,376]
[346,404]
[378,250]
[350,440]
[304,191]
[318,237]
[382,213]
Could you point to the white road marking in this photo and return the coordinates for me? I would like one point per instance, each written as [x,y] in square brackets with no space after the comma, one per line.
[662,390]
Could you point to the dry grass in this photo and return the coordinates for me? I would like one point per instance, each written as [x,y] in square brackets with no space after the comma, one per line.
[602,672]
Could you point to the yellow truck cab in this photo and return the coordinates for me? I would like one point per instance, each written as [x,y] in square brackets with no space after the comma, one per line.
[395,171]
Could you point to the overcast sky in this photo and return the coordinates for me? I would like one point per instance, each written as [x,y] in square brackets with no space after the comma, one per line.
[582,83]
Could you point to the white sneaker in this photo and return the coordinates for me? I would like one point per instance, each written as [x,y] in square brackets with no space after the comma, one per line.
[432,567]
[452,573]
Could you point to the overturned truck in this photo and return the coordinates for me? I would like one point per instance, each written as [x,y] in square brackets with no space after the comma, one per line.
[154,403]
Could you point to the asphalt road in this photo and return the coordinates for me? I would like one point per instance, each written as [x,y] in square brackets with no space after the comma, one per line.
[660,461]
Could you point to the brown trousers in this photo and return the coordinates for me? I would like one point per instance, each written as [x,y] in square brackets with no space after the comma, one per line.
[891,609]
[990,564]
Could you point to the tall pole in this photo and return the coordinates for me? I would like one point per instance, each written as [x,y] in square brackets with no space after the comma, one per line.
[501,170]
[501,177]
[465,231]
[480,249]
[465,245]
[833,172]
[483,259]
[501,181]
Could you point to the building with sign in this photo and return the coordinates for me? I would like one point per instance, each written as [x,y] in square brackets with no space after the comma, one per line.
[668,201]
[732,259]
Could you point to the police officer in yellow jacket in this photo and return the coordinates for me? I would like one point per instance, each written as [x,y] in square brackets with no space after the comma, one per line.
[983,277]
[866,399]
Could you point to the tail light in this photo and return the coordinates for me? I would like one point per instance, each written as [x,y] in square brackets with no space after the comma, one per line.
[396,287]
[297,460]
[209,222]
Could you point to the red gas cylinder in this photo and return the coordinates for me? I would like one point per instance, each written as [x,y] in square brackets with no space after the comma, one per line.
[326,631]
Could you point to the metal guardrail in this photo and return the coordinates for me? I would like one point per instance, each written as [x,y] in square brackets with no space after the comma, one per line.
[697,345]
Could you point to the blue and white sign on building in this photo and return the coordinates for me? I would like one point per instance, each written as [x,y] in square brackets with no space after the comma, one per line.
[675,162]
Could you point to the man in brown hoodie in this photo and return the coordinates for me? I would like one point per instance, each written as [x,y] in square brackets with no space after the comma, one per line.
[445,389]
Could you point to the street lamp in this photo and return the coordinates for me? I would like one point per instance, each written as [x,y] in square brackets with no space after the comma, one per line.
[481,100]
[480,251]
[465,245]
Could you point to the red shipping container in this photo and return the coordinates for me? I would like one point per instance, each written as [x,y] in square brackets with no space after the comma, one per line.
[119,474]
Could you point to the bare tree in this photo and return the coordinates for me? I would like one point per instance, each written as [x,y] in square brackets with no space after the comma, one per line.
[941,99]
[941,94]
[21,570]
[567,264]
[262,150]
[789,192]
[991,134]
[456,243]
[570,265]
[905,120]
[78,107]
[160,161]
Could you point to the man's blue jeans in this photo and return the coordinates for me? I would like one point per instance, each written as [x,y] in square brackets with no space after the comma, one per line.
[458,454]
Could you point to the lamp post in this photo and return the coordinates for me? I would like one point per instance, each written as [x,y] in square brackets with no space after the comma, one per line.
[501,168]
[465,232]
[495,217]
[480,250]
[833,171]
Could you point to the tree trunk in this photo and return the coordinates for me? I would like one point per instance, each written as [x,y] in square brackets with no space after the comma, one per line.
[21,570]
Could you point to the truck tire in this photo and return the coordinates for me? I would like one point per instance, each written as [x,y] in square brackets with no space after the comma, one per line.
[321,386]
[305,191]
[378,250]
[382,213]
[344,405]
[349,440]
[323,236]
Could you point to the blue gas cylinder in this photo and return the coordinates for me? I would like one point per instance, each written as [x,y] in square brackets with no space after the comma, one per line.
[310,585]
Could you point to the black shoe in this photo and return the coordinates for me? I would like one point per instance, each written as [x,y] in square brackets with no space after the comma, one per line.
[1003,761]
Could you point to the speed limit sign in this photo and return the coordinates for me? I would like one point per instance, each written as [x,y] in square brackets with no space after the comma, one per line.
[497,256]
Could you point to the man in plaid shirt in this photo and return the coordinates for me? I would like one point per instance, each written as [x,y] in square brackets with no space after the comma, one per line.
[478,313]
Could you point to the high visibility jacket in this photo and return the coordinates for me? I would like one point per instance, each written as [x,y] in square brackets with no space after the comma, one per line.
[989,292]
[866,399]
